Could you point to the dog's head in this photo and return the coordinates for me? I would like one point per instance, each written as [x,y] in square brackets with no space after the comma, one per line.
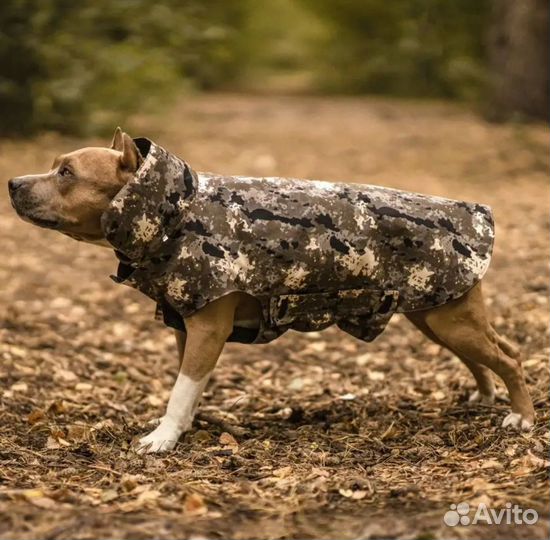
[74,193]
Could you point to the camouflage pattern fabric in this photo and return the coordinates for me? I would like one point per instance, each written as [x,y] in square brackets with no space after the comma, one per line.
[312,253]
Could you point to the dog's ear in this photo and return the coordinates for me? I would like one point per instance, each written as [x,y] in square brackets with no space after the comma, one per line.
[130,159]
[116,143]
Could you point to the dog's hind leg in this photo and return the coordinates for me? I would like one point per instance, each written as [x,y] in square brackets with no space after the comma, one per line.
[207,332]
[462,325]
[485,392]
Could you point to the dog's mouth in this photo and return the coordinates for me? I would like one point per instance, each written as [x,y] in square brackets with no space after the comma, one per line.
[46,223]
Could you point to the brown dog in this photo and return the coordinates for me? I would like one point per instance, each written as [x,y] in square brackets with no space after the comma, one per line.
[74,194]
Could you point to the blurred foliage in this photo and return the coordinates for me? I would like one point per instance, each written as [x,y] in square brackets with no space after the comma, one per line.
[280,40]
[403,47]
[63,61]
[81,67]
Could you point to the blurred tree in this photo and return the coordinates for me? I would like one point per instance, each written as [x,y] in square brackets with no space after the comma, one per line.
[280,39]
[63,61]
[403,47]
[519,59]
[81,67]
[20,67]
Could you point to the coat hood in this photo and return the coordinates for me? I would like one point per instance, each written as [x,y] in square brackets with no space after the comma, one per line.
[148,209]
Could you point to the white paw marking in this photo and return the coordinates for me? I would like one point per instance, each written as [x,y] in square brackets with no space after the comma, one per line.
[181,408]
[516,421]
[162,439]
[483,399]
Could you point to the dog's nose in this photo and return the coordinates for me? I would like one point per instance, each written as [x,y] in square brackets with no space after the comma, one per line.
[14,184]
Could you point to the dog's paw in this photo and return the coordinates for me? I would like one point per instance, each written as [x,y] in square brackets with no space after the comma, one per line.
[159,440]
[482,399]
[517,421]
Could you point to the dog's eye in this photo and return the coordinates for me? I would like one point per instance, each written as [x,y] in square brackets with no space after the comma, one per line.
[65,171]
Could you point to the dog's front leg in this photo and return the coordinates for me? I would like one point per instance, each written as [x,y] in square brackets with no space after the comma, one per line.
[180,342]
[207,332]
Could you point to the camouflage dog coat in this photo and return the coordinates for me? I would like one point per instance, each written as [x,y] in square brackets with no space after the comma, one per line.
[311,253]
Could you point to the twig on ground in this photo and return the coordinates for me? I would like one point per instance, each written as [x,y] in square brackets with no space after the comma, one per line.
[236,431]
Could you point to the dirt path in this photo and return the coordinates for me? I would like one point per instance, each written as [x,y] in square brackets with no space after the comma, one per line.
[343,440]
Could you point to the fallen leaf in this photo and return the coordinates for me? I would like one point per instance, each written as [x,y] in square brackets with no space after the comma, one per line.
[17,351]
[316,347]
[148,495]
[56,440]
[194,505]
[65,375]
[129,482]
[537,461]
[57,407]
[36,416]
[154,400]
[480,485]
[363,359]
[202,435]
[19,387]
[491,464]
[109,495]
[283,472]
[226,439]
[284,413]
[77,432]
[52,443]
[376,375]
[37,498]
[296,384]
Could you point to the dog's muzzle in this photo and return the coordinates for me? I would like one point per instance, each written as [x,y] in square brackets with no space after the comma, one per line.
[22,203]
[14,185]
